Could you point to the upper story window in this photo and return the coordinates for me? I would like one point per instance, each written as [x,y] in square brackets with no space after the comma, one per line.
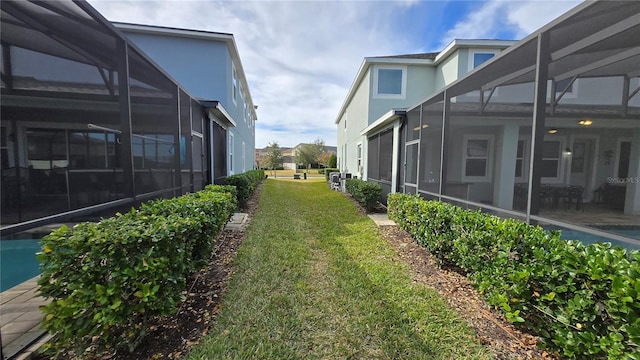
[561,85]
[390,82]
[245,112]
[478,58]
[234,94]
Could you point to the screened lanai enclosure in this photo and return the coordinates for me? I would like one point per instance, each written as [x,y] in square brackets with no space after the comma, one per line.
[547,132]
[88,121]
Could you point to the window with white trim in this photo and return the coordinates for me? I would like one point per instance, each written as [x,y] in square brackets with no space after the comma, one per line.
[623,156]
[244,151]
[234,94]
[477,58]
[521,160]
[551,160]
[476,158]
[561,85]
[231,153]
[390,82]
[359,156]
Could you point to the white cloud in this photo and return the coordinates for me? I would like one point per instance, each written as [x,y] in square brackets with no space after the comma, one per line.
[529,16]
[300,57]
[494,18]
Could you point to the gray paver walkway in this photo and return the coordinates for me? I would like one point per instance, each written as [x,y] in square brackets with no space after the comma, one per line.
[20,317]
[238,222]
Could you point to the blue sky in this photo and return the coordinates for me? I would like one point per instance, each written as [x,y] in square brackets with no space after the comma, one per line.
[301,57]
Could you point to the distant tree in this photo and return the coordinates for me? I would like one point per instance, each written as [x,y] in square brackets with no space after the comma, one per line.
[324,158]
[272,157]
[333,161]
[308,154]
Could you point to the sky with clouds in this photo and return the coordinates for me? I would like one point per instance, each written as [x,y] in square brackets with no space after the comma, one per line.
[300,57]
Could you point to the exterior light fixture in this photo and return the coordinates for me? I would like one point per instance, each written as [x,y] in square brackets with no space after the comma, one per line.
[553,131]
[567,151]
[585,122]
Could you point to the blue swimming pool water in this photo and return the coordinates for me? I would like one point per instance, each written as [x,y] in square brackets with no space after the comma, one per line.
[18,261]
[590,238]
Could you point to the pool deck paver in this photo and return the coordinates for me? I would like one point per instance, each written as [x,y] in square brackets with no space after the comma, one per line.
[20,318]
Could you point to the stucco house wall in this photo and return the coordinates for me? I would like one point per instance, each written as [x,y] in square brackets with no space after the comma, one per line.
[207,64]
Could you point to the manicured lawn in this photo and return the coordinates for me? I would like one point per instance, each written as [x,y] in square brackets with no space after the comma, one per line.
[313,173]
[315,280]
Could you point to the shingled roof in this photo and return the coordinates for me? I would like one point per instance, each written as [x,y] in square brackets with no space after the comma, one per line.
[429,56]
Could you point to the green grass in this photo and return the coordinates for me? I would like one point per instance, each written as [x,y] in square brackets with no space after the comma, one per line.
[315,280]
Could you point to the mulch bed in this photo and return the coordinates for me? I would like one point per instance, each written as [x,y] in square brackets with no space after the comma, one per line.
[492,329]
[172,337]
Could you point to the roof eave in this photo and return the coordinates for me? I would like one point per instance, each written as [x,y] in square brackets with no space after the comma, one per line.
[228,39]
[384,120]
[219,112]
[471,43]
[364,67]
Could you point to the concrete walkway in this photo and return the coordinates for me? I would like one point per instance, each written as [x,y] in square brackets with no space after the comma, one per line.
[238,222]
[381,220]
[20,319]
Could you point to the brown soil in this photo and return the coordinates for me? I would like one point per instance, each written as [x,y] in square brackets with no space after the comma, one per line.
[492,329]
[172,337]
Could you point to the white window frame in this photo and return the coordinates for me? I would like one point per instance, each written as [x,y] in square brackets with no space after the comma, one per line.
[525,159]
[473,52]
[231,145]
[489,158]
[616,164]
[403,87]
[244,112]
[562,160]
[573,94]
[360,167]
[234,92]
[244,155]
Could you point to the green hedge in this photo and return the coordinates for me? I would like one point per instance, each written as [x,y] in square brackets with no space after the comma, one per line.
[106,280]
[583,300]
[366,193]
[328,171]
[246,184]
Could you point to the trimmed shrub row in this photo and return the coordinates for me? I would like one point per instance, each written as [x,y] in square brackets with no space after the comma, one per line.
[366,193]
[246,184]
[106,280]
[583,300]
